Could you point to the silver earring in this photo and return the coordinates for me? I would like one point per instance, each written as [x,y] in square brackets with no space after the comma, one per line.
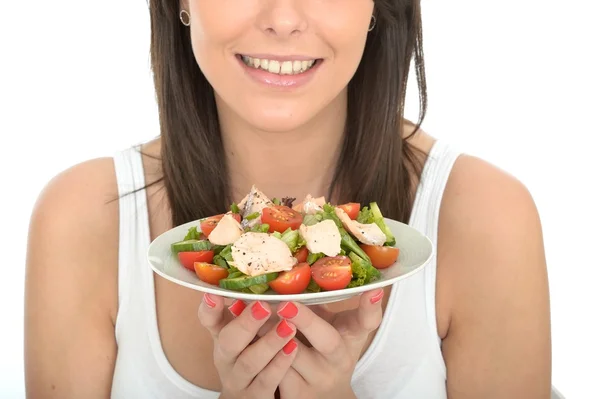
[373,22]
[184,17]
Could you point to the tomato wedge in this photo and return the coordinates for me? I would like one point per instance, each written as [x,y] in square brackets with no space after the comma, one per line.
[301,255]
[352,209]
[280,218]
[332,273]
[209,224]
[187,259]
[381,257]
[291,282]
[209,273]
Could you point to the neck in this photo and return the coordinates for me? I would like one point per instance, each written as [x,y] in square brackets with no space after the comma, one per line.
[283,164]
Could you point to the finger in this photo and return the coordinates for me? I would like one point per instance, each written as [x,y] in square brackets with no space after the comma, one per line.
[323,313]
[236,309]
[272,375]
[211,314]
[321,335]
[257,356]
[314,371]
[355,325]
[268,326]
[236,335]
[293,385]
[309,365]
[370,311]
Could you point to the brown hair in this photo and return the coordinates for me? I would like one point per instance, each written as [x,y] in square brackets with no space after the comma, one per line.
[375,164]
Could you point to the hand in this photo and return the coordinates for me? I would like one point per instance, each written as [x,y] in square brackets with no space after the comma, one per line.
[337,339]
[246,369]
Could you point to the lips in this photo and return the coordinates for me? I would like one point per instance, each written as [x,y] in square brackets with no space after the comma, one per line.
[278,72]
[279,67]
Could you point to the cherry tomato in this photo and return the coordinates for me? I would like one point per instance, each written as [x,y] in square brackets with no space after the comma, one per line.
[187,259]
[294,281]
[209,224]
[352,209]
[332,273]
[381,257]
[209,273]
[236,216]
[280,218]
[301,255]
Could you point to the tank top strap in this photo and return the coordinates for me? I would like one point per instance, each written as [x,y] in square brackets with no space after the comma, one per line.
[134,229]
[425,217]
[432,185]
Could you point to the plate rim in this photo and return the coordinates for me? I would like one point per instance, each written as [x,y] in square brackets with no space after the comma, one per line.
[346,292]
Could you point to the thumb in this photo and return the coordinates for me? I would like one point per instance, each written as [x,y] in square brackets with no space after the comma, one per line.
[355,325]
[211,313]
[370,311]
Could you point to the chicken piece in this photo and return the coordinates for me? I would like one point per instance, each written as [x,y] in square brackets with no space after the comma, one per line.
[260,253]
[310,205]
[242,203]
[226,231]
[369,234]
[322,237]
[255,202]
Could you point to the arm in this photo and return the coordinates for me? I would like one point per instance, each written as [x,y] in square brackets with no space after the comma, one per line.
[71,285]
[492,260]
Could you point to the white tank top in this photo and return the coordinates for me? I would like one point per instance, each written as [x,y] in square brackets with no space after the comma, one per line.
[404,361]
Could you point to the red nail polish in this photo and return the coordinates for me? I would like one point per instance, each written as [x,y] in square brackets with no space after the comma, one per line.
[284,329]
[259,312]
[290,347]
[376,298]
[237,307]
[289,311]
[209,301]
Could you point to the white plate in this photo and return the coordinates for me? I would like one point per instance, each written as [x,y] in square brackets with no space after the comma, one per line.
[415,251]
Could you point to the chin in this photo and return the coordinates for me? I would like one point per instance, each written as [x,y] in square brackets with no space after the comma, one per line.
[276,124]
[275,120]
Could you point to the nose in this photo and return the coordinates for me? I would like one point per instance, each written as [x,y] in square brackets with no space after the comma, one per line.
[283,18]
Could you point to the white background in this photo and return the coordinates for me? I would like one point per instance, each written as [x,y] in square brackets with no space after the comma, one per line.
[513,82]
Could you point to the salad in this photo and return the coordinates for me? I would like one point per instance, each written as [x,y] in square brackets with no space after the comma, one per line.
[263,244]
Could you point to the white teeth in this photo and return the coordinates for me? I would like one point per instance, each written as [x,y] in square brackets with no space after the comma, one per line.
[274,66]
[297,66]
[277,67]
[287,68]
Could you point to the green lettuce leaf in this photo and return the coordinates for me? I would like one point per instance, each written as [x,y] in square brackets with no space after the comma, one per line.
[312,258]
[192,234]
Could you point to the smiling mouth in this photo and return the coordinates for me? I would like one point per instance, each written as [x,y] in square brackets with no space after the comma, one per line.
[289,67]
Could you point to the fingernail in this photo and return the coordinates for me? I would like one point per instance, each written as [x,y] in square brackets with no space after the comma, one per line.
[284,329]
[289,311]
[290,347]
[259,312]
[209,301]
[377,297]
[237,307]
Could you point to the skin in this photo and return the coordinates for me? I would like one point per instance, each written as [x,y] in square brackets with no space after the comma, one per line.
[492,303]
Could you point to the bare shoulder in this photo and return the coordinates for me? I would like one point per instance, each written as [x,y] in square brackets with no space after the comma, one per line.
[71,284]
[80,203]
[480,191]
[492,283]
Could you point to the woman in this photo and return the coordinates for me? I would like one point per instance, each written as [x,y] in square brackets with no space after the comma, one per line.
[296,97]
